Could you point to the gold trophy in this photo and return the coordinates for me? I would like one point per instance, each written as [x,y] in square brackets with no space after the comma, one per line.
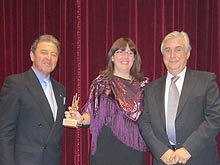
[72,122]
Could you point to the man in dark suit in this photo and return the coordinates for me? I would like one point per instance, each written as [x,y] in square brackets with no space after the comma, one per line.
[31,124]
[197,115]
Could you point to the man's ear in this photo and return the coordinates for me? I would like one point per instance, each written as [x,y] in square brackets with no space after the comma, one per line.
[32,56]
[188,54]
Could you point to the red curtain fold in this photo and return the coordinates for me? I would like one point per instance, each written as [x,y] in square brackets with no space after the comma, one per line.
[87,28]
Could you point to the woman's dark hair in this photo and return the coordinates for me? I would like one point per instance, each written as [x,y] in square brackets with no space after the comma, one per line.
[121,43]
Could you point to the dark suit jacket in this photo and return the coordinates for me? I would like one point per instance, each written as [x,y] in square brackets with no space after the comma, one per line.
[28,133]
[197,120]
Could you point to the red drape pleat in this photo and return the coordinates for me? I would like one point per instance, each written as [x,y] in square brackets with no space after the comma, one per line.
[87,28]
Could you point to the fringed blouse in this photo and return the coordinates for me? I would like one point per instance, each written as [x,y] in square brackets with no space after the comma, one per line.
[116,103]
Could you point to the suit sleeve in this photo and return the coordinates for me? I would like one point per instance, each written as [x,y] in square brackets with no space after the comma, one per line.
[156,147]
[9,110]
[208,129]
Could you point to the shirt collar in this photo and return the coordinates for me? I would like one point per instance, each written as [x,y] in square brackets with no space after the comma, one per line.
[181,74]
[39,76]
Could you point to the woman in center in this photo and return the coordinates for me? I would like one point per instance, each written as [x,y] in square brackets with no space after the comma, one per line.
[114,105]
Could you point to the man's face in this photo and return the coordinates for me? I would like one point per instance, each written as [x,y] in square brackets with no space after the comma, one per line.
[174,55]
[45,58]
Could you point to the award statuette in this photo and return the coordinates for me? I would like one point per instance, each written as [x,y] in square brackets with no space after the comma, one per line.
[72,122]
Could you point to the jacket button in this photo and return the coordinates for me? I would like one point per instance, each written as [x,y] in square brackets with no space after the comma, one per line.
[39,124]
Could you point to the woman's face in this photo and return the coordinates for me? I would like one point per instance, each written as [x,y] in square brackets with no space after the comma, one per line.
[123,61]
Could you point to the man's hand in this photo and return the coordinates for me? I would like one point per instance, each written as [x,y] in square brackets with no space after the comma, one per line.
[181,155]
[167,157]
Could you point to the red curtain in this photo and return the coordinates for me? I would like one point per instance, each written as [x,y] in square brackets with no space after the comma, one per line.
[87,28]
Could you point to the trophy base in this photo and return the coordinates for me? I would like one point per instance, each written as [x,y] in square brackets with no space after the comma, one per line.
[70,123]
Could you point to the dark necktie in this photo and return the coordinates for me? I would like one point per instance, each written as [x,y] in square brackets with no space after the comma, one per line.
[173,100]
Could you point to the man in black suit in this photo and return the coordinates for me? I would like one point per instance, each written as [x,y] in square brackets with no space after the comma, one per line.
[197,115]
[31,125]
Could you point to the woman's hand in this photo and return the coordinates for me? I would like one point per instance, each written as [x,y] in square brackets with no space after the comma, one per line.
[73,114]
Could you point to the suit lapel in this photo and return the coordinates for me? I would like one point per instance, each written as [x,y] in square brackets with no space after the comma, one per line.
[159,97]
[189,82]
[59,99]
[34,87]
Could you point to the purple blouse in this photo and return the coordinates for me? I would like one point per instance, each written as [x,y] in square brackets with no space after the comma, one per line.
[116,103]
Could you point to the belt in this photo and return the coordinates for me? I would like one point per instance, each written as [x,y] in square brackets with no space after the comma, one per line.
[173,147]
